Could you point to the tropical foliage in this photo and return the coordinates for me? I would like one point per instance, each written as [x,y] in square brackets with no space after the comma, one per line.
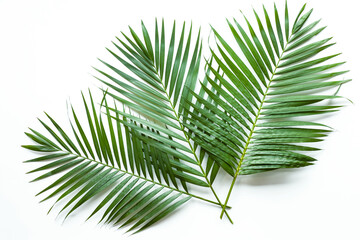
[268,94]
[159,131]
[106,157]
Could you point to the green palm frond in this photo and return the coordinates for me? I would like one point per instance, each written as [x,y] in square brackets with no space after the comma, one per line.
[160,132]
[161,75]
[108,158]
[269,88]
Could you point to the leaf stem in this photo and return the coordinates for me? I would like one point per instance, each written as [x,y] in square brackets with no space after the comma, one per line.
[196,158]
[252,132]
[148,180]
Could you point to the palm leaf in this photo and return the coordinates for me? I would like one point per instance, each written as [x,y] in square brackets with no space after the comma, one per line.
[156,90]
[253,112]
[102,160]
[271,86]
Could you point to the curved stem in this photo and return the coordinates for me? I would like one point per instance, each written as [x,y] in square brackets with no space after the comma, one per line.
[196,157]
[148,180]
[251,132]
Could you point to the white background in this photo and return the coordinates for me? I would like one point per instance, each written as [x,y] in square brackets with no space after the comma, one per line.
[47,49]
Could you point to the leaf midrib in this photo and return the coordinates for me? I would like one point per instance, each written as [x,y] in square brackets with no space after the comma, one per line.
[140,177]
[190,145]
[238,168]
[257,117]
